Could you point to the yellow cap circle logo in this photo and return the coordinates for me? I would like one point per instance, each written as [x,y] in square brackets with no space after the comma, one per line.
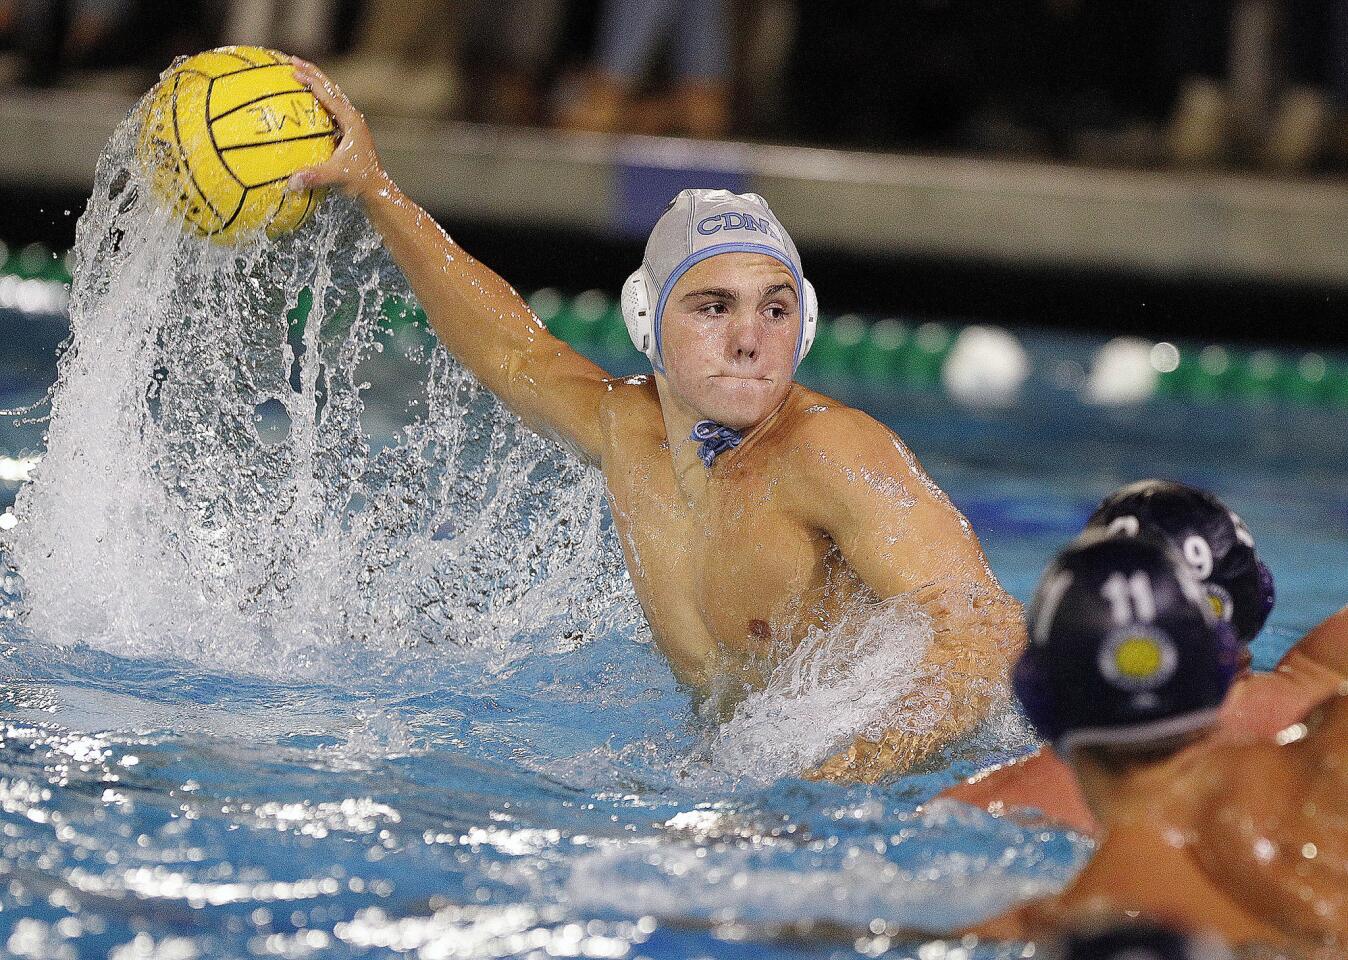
[1220,601]
[1138,658]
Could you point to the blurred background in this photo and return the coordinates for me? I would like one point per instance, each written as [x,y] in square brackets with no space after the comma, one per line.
[1167,171]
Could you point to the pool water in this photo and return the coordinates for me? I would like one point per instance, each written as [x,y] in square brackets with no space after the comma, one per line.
[329,763]
[552,800]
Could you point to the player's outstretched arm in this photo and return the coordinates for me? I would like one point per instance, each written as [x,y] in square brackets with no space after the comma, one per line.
[903,536]
[479,318]
[1319,660]
[1310,673]
[1042,781]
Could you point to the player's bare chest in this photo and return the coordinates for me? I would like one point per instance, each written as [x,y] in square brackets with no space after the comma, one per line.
[734,558]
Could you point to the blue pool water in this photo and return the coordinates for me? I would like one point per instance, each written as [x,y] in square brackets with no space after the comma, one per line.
[307,667]
[555,799]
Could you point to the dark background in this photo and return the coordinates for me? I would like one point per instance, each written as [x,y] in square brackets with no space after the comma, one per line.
[1081,82]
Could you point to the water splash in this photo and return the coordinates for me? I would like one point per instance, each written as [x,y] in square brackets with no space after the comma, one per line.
[219,486]
[899,867]
[840,682]
[247,468]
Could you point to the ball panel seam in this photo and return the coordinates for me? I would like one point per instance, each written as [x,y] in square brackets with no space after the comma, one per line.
[271,143]
[210,131]
[238,208]
[187,161]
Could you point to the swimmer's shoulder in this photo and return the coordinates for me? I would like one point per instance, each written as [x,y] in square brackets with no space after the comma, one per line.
[1273,775]
[1240,786]
[824,440]
[1269,833]
[814,422]
[630,410]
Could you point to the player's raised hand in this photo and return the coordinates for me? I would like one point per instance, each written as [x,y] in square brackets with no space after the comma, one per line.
[354,167]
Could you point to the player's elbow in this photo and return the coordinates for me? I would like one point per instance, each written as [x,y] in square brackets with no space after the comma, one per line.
[522,369]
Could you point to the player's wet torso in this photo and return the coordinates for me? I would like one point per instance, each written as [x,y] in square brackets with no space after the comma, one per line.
[733,578]
[1245,840]
[1277,836]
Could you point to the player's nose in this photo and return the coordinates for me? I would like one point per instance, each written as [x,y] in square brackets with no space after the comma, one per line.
[744,337]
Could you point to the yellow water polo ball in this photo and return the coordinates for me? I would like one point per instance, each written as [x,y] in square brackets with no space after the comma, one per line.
[221,133]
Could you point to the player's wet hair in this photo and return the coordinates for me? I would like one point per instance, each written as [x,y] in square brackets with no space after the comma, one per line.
[1211,538]
[1125,652]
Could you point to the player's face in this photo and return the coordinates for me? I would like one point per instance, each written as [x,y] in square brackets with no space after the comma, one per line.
[729,337]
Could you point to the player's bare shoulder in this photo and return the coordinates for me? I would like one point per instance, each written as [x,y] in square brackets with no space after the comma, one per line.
[827,443]
[629,414]
[815,427]
[1272,835]
[1293,780]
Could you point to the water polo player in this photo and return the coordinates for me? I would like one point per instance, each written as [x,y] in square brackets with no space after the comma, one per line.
[749,508]
[1219,549]
[1125,674]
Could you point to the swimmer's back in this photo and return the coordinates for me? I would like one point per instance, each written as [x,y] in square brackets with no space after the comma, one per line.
[1153,865]
[1277,836]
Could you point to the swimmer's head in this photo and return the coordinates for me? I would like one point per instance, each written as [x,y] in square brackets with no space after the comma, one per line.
[1211,538]
[1136,940]
[1124,651]
[720,305]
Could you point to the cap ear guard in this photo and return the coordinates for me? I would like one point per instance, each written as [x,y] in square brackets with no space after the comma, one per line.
[639,316]
[637,312]
[1267,595]
[1030,683]
[809,320]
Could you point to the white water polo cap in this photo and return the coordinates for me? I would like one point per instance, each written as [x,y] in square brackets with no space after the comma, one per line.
[696,225]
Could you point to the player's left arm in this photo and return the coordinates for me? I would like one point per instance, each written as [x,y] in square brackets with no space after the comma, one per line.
[1312,671]
[902,535]
[1321,656]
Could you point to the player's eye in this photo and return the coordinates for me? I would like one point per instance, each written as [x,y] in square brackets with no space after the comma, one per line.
[775,311]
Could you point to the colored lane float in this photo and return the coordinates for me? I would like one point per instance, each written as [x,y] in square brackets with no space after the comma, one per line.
[1129,370]
[34,279]
[35,262]
[976,364]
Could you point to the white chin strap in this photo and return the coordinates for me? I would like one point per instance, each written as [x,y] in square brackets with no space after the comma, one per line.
[638,301]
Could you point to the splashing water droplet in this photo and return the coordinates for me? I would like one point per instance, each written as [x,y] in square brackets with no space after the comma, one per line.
[835,684]
[223,484]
